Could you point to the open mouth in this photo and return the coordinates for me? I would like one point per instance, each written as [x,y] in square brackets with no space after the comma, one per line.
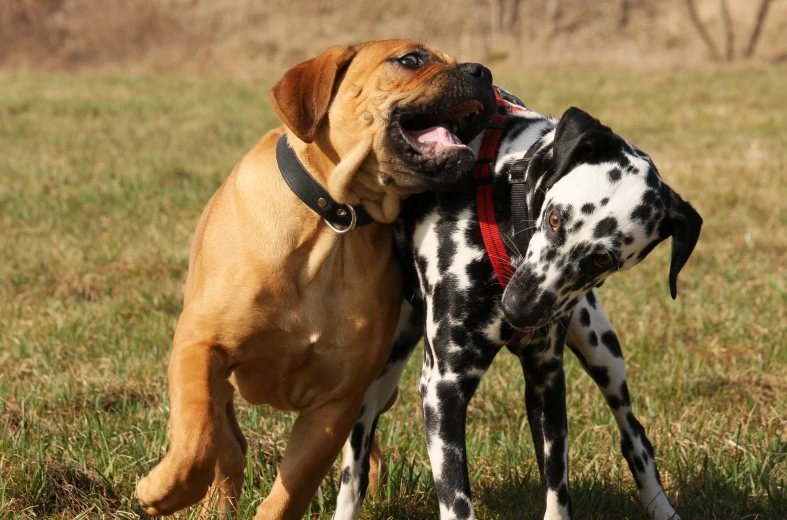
[441,130]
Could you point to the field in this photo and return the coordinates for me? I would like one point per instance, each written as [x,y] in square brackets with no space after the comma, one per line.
[102,179]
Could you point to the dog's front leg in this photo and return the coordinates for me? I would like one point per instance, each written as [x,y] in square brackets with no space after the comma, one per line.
[593,340]
[315,441]
[363,464]
[449,378]
[545,399]
[205,440]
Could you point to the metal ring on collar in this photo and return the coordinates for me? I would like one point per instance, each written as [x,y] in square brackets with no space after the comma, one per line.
[353,220]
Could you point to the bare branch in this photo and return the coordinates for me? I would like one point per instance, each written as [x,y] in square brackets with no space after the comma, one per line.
[728,30]
[755,34]
[515,25]
[625,8]
[695,19]
[553,12]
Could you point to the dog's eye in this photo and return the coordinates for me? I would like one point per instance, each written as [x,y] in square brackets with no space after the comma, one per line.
[554,220]
[411,61]
[601,261]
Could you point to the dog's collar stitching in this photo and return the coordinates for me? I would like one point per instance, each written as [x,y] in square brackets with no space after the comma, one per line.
[312,193]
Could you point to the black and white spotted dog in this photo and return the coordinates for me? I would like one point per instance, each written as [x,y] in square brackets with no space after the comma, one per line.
[598,206]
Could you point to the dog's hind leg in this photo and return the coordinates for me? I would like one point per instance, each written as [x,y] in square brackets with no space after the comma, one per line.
[545,400]
[362,462]
[593,340]
[199,392]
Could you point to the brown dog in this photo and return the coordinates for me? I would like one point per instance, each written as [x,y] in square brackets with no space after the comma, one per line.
[277,305]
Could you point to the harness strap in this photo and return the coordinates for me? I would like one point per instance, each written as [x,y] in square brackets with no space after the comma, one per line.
[520,216]
[483,175]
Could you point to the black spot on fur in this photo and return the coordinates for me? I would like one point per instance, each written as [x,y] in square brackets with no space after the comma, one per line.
[346,476]
[562,495]
[600,375]
[624,394]
[356,440]
[461,508]
[626,444]
[615,174]
[588,208]
[591,298]
[639,463]
[549,254]
[584,317]
[593,339]
[652,178]
[613,401]
[641,213]
[605,227]
[604,201]
[610,340]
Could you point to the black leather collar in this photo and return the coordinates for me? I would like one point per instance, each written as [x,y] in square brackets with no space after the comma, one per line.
[312,194]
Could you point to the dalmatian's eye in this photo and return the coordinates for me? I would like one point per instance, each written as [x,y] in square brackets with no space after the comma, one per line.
[601,261]
[554,220]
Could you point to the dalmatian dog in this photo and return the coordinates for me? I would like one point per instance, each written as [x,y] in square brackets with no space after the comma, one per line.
[596,205]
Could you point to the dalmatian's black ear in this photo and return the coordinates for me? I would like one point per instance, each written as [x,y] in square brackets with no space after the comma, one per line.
[580,137]
[684,224]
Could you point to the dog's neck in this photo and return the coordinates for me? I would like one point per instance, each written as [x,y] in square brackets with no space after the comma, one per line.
[529,138]
[350,180]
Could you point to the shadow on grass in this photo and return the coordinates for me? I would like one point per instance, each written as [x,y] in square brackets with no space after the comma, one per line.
[522,497]
[700,495]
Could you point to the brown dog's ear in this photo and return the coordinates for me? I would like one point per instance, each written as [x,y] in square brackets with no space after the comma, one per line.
[302,96]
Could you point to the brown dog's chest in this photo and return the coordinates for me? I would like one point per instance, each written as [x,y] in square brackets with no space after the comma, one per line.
[330,343]
[302,319]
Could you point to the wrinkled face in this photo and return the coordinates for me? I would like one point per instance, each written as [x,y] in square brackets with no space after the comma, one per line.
[423,109]
[598,219]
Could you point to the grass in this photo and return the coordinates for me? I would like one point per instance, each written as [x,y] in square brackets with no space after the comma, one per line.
[102,179]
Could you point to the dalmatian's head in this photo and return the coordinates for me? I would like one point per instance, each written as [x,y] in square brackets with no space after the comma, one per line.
[599,206]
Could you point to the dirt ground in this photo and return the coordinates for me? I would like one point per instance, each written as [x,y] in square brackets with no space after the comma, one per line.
[248,38]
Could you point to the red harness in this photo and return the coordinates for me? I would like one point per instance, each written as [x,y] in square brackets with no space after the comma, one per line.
[483,175]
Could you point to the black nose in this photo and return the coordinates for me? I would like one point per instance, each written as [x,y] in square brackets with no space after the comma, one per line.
[515,309]
[524,307]
[477,70]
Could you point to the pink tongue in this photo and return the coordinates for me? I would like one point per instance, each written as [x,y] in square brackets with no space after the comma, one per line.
[436,134]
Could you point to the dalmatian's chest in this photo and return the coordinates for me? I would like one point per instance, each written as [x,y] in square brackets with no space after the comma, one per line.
[455,273]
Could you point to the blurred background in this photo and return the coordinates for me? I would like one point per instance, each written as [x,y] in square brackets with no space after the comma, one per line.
[252,37]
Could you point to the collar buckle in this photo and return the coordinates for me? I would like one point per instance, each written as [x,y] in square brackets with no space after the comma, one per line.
[353,222]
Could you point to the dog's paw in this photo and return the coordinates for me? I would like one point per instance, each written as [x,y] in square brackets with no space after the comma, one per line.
[171,487]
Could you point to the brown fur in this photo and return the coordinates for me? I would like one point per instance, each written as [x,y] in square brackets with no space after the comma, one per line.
[277,306]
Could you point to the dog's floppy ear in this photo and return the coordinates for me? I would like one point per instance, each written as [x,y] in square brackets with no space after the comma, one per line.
[684,224]
[580,137]
[301,98]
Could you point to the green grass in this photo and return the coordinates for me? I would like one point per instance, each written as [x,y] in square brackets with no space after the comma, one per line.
[102,179]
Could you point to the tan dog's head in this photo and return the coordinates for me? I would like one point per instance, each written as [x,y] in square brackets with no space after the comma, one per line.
[404,112]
